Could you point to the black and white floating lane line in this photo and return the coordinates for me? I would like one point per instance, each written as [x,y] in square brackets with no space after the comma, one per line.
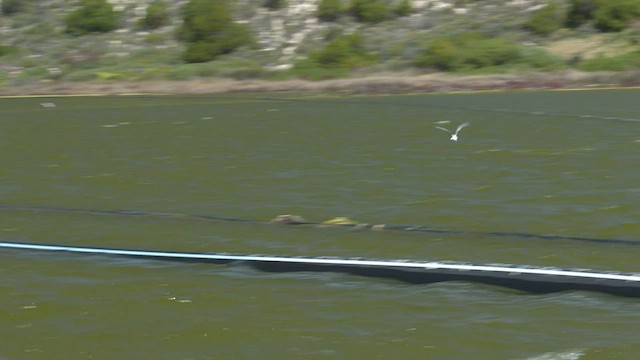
[519,277]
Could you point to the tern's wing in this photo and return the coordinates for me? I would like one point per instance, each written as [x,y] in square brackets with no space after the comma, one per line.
[462,126]
[441,128]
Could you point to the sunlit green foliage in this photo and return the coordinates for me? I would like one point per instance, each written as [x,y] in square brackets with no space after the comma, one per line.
[441,54]
[157,15]
[403,8]
[209,30]
[546,20]
[472,51]
[468,51]
[615,15]
[370,11]
[346,51]
[628,61]
[335,59]
[329,10]
[92,16]
[8,49]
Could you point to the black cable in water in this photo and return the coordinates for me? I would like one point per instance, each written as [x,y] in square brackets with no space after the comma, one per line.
[298,221]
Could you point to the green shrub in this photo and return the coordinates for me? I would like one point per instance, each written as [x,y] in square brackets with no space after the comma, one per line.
[370,11]
[157,15]
[580,12]
[209,30]
[546,20]
[540,59]
[472,51]
[10,7]
[490,52]
[403,8]
[441,54]
[201,51]
[107,76]
[336,59]
[332,33]
[607,15]
[615,15]
[628,61]
[92,16]
[346,51]
[154,38]
[329,10]
[275,4]
[8,50]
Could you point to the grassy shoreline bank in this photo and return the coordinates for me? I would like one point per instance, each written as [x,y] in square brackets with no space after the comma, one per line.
[380,84]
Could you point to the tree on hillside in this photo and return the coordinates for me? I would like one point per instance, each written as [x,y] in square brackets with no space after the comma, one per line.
[468,51]
[615,15]
[275,4]
[344,51]
[403,8]
[209,30]
[607,15]
[441,54]
[92,16]
[157,15]
[329,10]
[546,20]
[10,7]
[370,11]
[580,12]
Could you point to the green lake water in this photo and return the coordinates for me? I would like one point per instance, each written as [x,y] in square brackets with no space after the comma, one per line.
[544,163]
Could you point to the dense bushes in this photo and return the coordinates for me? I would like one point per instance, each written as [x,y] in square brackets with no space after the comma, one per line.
[329,10]
[345,51]
[157,15]
[92,16]
[275,4]
[622,62]
[10,7]
[364,11]
[580,12]
[403,8]
[615,15]
[340,55]
[546,20]
[209,30]
[468,51]
[607,15]
[8,49]
[472,51]
[370,11]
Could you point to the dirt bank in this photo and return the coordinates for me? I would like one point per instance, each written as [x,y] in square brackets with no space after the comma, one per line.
[381,84]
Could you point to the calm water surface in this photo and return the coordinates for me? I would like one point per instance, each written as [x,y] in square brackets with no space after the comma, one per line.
[547,163]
